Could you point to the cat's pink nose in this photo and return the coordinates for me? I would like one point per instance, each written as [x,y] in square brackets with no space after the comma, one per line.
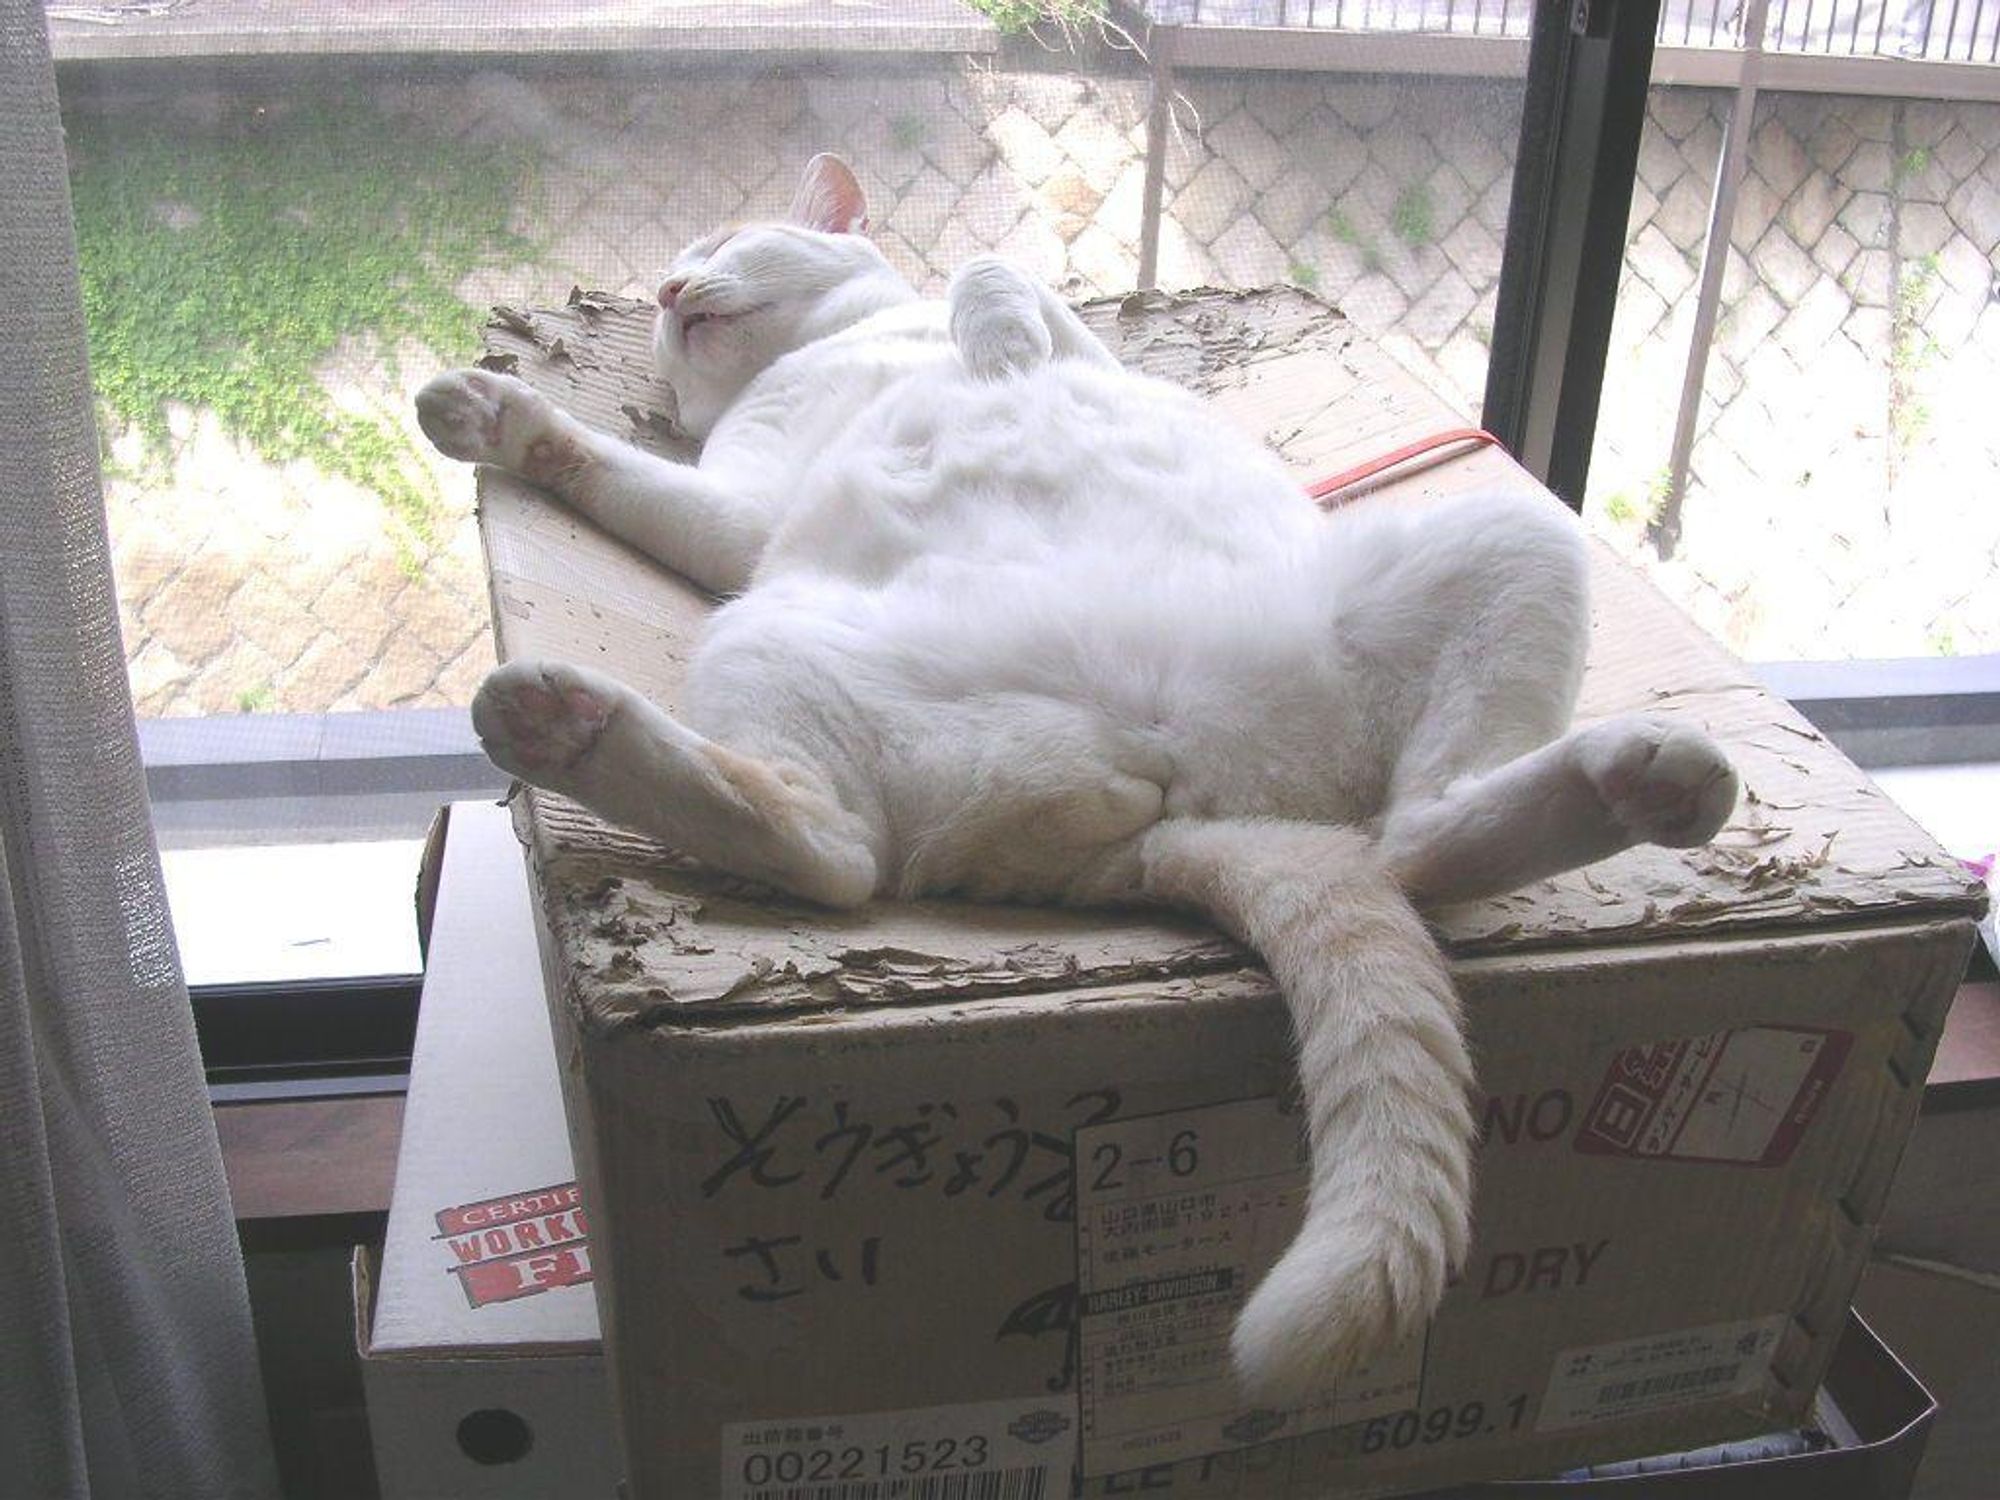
[670,291]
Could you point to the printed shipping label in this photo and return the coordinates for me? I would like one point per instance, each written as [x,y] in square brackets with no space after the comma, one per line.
[1612,1381]
[1177,1218]
[988,1450]
[1730,1096]
[518,1244]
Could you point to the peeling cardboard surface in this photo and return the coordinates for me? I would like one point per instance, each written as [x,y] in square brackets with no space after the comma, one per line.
[1813,843]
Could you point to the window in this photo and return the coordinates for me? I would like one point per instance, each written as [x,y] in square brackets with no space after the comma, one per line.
[1812,490]
[289,221]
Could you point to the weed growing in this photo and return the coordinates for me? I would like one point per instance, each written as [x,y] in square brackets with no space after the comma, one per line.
[1016,17]
[223,274]
[1415,216]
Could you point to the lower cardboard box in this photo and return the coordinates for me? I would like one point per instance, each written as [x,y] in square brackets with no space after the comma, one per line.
[487,1375]
[476,1328]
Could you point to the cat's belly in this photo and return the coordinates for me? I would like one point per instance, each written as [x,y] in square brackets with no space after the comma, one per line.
[1073,461]
[1016,726]
[1019,622]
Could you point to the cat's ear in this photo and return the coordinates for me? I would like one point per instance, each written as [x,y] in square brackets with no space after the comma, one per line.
[829,199]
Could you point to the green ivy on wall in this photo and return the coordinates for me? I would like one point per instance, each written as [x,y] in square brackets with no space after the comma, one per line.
[223,267]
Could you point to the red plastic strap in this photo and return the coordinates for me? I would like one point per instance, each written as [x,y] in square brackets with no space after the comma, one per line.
[1323,490]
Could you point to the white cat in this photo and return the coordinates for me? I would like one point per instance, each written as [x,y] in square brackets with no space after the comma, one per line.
[1011,622]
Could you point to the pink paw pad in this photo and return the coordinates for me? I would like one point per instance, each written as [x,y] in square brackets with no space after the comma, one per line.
[477,416]
[1669,785]
[533,725]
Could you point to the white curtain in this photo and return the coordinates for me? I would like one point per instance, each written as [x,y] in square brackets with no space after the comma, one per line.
[127,1366]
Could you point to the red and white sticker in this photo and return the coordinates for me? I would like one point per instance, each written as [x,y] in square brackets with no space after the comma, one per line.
[1742,1096]
[518,1244]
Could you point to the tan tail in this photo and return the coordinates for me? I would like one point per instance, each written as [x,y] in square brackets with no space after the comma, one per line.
[1385,1074]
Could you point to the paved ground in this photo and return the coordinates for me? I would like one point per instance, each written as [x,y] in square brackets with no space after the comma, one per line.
[1842,503]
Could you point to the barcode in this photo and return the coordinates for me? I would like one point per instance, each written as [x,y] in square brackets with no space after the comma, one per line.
[994,1484]
[1661,1385]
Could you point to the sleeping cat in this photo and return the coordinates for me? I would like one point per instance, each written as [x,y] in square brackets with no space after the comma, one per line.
[1009,622]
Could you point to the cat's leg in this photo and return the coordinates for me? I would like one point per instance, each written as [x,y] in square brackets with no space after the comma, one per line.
[672,512]
[1491,789]
[1005,322]
[596,741]
[1581,798]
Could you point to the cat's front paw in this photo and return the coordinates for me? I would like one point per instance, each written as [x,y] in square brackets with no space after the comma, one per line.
[539,720]
[481,417]
[1665,783]
[995,346]
[996,320]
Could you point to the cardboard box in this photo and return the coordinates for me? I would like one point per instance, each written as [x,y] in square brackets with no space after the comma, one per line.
[478,1338]
[932,1191]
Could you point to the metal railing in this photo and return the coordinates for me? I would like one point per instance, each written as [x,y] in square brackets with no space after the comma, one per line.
[1931,30]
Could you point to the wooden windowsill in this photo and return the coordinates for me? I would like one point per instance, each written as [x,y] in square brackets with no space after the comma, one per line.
[1968,1055]
[306,1158]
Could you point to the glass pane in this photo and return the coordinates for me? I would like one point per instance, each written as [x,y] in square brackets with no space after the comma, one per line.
[1836,499]
[1385,196]
[278,251]
[271,265]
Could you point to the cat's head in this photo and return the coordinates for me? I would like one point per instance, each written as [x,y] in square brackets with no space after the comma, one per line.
[738,299]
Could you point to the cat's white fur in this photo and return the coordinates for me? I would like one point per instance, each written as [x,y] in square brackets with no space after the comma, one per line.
[1011,622]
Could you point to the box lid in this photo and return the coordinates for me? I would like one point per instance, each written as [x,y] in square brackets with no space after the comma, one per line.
[1813,842]
[487,1247]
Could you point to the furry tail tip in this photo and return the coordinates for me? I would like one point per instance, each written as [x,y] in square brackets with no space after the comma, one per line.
[1335,1300]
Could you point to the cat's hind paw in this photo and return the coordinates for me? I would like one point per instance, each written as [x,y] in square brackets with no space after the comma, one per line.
[539,720]
[480,417]
[1664,783]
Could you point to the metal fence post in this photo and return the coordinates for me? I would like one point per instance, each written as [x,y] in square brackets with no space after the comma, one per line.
[1665,530]
[1159,122]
